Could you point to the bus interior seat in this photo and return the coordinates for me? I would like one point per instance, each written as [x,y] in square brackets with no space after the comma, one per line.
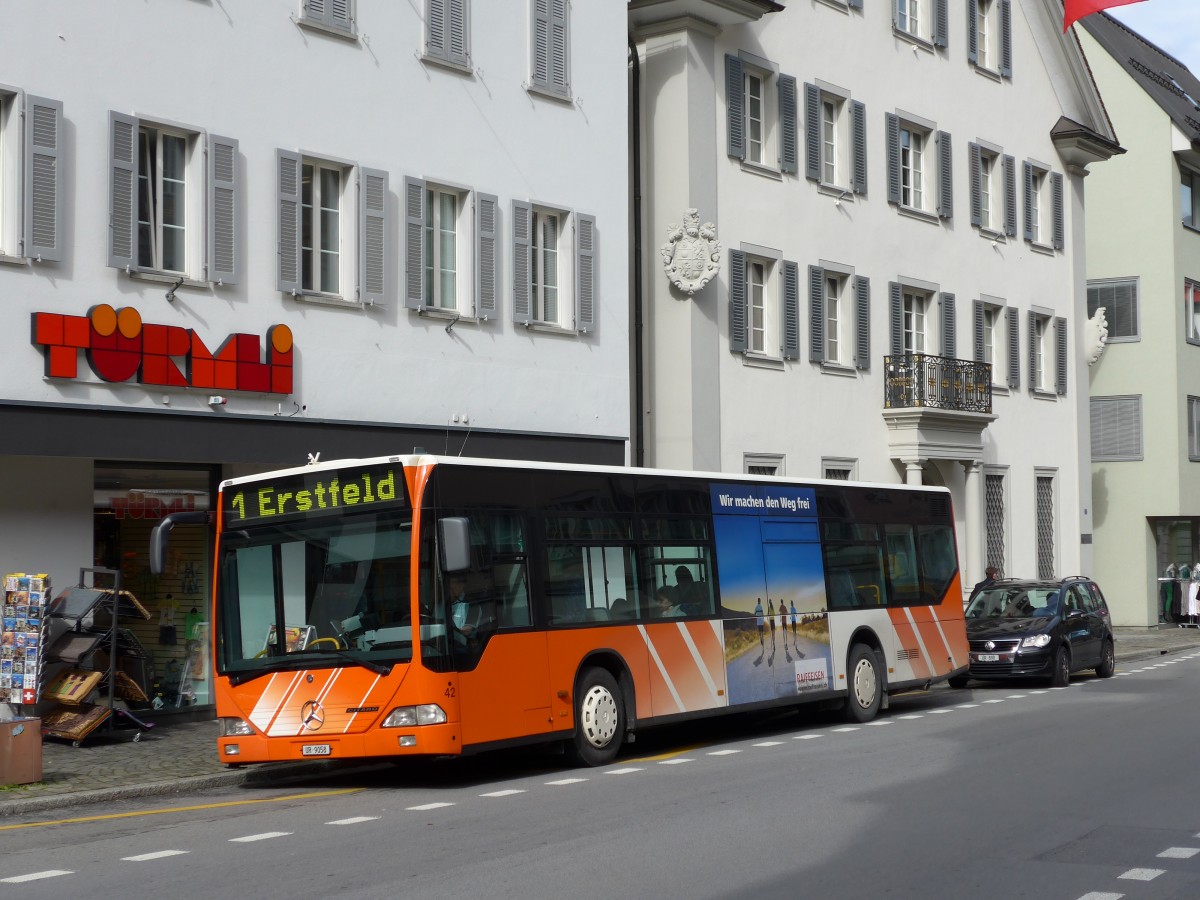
[597,614]
[620,609]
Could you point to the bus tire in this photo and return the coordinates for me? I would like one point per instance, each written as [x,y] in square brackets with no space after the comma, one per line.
[865,682]
[599,719]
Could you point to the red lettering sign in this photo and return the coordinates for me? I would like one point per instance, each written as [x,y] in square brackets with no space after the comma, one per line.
[119,347]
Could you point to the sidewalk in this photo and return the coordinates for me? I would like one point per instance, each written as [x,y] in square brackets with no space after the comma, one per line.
[181,757]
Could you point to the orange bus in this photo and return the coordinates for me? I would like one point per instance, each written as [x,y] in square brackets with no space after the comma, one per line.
[438,606]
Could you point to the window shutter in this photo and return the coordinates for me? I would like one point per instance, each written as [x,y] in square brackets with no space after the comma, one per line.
[585,273]
[1006,38]
[895,13]
[541,43]
[372,235]
[1031,329]
[977,328]
[941,24]
[1060,356]
[737,301]
[948,324]
[790,275]
[734,106]
[522,224]
[858,131]
[43,166]
[458,44]
[1010,196]
[1120,302]
[435,28]
[1028,201]
[1116,428]
[945,176]
[289,198]
[896,314]
[316,11]
[855,4]
[341,14]
[816,314]
[973,31]
[1014,347]
[486,261]
[414,243]
[788,150]
[122,191]
[1056,199]
[812,132]
[223,197]
[893,157]
[862,322]
[975,167]
[559,80]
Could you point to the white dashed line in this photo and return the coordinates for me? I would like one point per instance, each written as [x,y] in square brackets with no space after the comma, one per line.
[724,752]
[993,701]
[265,836]
[883,722]
[563,781]
[1142,874]
[1032,693]
[1015,697]
[146,857]
[1100,895]
[1179,852]
[353,820]
[35,876]
[768,744]
[626,771]
[938,712]
[673,762]
[911,716]
[968,706]
[806,737]
[846,729]
[425,807]
[507,793]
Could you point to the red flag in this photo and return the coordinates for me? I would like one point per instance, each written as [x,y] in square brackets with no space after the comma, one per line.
[1077,9]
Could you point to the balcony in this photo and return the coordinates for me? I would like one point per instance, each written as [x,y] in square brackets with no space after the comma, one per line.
[936,407]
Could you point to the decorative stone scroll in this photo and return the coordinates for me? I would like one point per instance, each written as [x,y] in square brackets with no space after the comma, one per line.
[692,253]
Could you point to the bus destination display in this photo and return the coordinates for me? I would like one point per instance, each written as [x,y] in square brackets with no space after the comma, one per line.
[324,492]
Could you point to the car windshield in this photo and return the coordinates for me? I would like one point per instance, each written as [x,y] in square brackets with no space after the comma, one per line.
[1014,603]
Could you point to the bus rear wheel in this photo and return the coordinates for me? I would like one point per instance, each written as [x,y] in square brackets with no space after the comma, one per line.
[866,684]
[599,719]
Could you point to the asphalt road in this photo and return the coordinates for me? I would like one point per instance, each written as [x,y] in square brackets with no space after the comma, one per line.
[991,792]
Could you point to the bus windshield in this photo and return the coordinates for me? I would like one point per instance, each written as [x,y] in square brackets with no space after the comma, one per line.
[316,592]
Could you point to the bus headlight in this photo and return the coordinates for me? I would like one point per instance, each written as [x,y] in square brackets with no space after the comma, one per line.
[407,716]
[234,728]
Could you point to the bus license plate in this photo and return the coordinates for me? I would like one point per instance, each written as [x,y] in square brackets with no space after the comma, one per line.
[316,750]
[981,657]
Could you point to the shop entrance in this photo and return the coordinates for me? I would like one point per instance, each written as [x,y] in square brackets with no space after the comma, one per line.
[1177,545]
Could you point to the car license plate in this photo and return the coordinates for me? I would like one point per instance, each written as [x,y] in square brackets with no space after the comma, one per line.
[984,657]
[316,750]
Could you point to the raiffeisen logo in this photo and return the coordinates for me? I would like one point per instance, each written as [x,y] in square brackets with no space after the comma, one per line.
[119,347]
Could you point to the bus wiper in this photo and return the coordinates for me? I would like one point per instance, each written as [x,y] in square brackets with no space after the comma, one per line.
[370,665]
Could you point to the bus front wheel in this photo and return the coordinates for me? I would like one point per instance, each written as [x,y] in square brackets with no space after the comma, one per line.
[866,684]
[599,719]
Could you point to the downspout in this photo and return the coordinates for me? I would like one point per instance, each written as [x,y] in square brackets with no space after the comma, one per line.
[635,113]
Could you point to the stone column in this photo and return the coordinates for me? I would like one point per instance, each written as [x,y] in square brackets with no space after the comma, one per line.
[973,559]
[912,473]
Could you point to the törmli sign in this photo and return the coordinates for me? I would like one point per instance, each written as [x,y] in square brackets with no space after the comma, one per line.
[119,347]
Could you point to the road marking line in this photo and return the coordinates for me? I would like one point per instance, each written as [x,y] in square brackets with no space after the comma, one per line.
[938,712]
[628,770]
[265,836]
[425,807]
[768,744]
[911,716]
[845,729]
[993,701]
[567,781]
[1142,874]
[35,876]
[806,737]
[353,820]
[724,752]
[673,762]
[1031,693]
[507,793]
[1100,895]
[146,857]
[883,722]
[968,706]
[1015,697]
[1179,852]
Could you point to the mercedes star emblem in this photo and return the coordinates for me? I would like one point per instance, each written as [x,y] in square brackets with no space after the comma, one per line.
[312,715]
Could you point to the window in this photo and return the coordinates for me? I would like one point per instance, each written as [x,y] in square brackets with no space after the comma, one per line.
[31,167]
[839,469]
[447,32]
[1116,427]
[993,190]
[922,20]
[335,16]
[920,176]
[1047,347]
[835,139]
[763,464]
[760,114]
[839,317]
[989,35]
[1191,310]
[1193,404]
[173,204]
[450,249]
[1188,197]
[995,490]
[553,277]
[763,304]
[1044,222]
[989,328]
[914,307]
[910,305]
[550,44]
[332,229]
[1044,526]
[1119,299]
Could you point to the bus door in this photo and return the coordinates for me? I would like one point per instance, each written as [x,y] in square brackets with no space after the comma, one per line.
[922,567]
[857,595]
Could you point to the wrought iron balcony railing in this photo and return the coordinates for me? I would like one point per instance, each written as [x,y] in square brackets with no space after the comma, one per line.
[936,382]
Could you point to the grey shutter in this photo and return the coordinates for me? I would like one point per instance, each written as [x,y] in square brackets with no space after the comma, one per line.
[812,132]
[487,272]
[895,13]
[975,169]
[559,80]
[941,24]
[1006,38]
[1010,196]
[414,243]
[223,203]
[435,28]
[1014,347]
[973,31]
[855,4]
[948,325]
[816,314]
[1056,201]
[372,235]
[446,31]
[340,14]
[1031,330]
[1028,201]
[945,176]
[789,156]
[43,212]
[585,272]
[735,106]
[522,224]
[858,135]
[1060,356]
[790,273]
[977,329]
[893,158]
[862,322]
[458,37]
[288,165]
[541,43]
[737,301]
[122,190]
[896,316]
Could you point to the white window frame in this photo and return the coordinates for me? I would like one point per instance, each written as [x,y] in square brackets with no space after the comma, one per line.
[1193,428]
[151,137]
[1040,378]
[914,18]
[834,140]
[10,176]
[839,318]
[758,71]
[1189,198]
[830,464]
[461,264]
[914,310]
[995,344]
[1191,310]
[989,180]
[564,297]
[753,462]
[915,143]
[1037,204]
[987,34]
[314,271]
[763,338]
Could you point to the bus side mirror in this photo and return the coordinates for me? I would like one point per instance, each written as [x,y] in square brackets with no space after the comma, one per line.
[454,539]
[158,537]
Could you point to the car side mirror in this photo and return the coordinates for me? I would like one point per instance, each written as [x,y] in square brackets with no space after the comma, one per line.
[1074,613]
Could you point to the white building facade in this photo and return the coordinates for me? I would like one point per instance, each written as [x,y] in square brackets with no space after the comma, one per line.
[897,189]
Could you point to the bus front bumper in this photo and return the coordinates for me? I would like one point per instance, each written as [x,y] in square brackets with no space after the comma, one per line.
[425,740]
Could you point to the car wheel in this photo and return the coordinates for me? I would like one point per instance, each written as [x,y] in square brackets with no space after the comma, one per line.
[1108,661]
[599,719]
[958,682]
[866,684]
[1061,676]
